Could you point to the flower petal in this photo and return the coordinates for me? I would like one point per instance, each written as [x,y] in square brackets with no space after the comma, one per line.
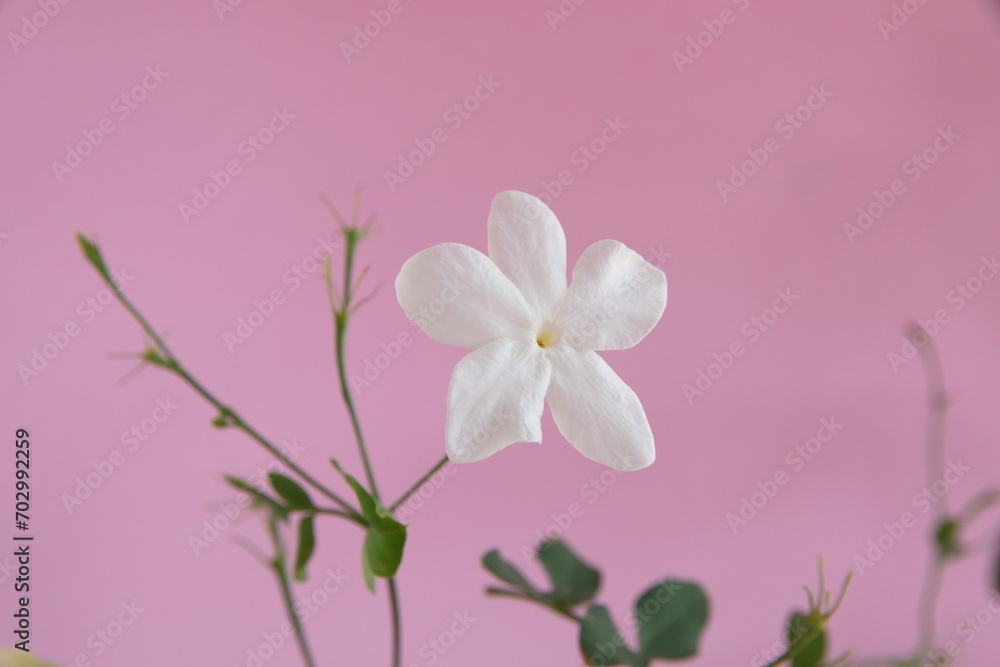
[615,299]
[597,412]
[496,397]
[527,242]
[459,297]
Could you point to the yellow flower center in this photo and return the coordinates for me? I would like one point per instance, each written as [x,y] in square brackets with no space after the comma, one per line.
[546,336]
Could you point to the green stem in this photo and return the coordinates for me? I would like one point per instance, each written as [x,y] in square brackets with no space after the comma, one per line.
[936,414]
[278,565]
[913,661]
[335,512]
[171,363]
[420,482]
[345,390]
[239,423]
[935,463]
[928,605]
[341,317]
[397,631]
[938,407]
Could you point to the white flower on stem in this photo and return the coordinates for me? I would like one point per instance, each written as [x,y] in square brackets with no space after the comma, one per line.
[534,338]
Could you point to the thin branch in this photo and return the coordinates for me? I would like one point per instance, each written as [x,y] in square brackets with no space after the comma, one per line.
[420,482]
[162,356]
[937,410]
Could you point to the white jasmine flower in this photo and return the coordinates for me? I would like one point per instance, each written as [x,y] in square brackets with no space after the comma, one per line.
[535,339]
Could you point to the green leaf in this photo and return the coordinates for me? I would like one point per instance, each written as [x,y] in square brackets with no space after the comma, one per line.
[600,641]
[293,494]
[307,545]
[383,549]
[366,570]
[259,499]
[93,255]
[506,572]
[573,580]
[371,509]
[811,654]
[671,616]
[947,537]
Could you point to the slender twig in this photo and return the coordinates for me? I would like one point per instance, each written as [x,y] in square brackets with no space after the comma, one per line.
[341,315]
[911,661]
[169,361]
[238,422]
[280,571]
[397,630]
[935,463]
[420,482]
[342,312]
[936,414]
[335,512]
[937,398]
[928,605]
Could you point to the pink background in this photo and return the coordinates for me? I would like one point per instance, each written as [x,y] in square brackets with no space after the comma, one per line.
[653,188]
